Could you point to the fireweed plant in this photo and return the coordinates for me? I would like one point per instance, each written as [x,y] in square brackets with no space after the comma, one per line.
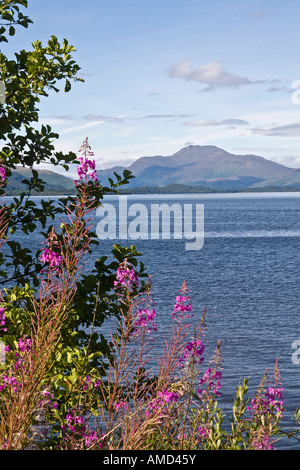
[68,389]
[49,319]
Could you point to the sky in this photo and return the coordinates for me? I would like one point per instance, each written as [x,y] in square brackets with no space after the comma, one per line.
[163,74]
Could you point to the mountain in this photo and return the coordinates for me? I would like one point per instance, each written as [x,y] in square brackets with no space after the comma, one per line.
[198,168]
[54,183]
[210,167]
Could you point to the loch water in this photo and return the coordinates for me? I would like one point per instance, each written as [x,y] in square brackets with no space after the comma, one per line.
[247,276]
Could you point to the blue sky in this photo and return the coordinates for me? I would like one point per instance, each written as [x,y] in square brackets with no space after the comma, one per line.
[163,74]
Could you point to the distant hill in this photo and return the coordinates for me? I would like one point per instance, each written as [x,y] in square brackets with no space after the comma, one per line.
[207,167]
[55,184]
[192,169]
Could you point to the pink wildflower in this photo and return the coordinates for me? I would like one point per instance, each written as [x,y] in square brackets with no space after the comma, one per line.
[120,404]
[182,305]
[168,397]
[86,163]
[90,438]
[48,256]
[2,319]
[262,442]
[274,397]
[2,174]
[126,277]
[193,350]
[10,382]
[203,432]
[88,382]
[77,434]
[267,401]
[182,436]
[24,345]
[145,319]
[213,380]
[164,397]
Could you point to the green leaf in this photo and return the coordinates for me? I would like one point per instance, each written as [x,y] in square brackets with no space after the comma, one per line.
[67,86]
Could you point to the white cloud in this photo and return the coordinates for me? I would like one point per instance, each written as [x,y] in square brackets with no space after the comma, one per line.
[98,117]
[214,122]
[288,130]
[72,129]
[166,116]
[55,120]
[258,14]
[213,75]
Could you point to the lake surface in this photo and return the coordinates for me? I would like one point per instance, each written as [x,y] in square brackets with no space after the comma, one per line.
[247,276]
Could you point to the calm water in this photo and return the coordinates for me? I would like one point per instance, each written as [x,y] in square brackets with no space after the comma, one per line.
[247,276]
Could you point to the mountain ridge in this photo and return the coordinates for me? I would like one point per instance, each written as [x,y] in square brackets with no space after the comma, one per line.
[55,184]
[198,168]
[207,165]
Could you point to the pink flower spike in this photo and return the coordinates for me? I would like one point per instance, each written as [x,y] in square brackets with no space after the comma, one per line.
[2,174]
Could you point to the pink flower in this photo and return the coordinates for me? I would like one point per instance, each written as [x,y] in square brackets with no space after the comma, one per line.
[168,397]
[86,164]
[182,304]
[195,348]
[51,257]
[263,404]
[262,442]
[24,345]
[126,277]
[120,404]
[203,432]
[145,319]
[163,398]
[2,319]
[193,351]
[90,438]
[274,397]
[213,380]
[2,174]
[10,382]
